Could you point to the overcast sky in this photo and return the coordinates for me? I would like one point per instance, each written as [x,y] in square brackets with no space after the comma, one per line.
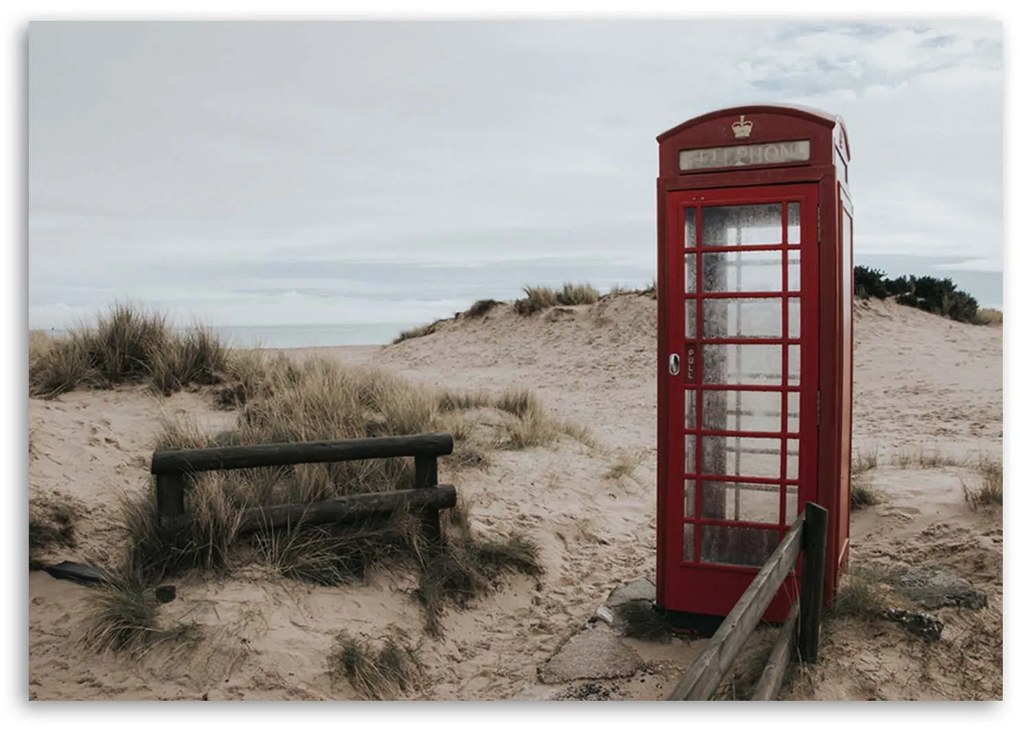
[296,173]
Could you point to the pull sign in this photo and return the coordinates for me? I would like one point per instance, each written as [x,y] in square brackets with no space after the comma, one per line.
[691,362]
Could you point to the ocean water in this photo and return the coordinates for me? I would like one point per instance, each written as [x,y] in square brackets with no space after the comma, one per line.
[297,336]
[309,336]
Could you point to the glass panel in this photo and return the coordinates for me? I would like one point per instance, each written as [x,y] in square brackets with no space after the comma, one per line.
[742,271]
[689,488]
[740,456]
[690,273]
[792,412]
[690,445]
[742,501]
[750,411]
[735,225]
[690,231]
[688,542]
[793,313]
[690,409]
[737,545]
[792,459]
[741,364]
[791,503]
[793,224]
[746,317]
[793,364]
[793,270]
[691,325]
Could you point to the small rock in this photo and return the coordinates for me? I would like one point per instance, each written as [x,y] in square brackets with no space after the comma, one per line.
[639,589]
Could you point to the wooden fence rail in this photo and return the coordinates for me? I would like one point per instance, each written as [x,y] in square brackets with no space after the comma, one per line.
[171,468]
[807,534]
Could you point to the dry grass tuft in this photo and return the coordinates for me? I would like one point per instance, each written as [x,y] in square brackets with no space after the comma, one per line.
[863,492]
[467,568]
[623,466]
[988,316]
[863,462]
[123,617]
[378,670]
[127,346]
[577,294]
[926,458]
[418,332]
[480,308]
[537,299]
[990,491]
[861,594]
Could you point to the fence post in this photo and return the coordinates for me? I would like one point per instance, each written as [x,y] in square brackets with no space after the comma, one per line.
[169,497]
[426,476]
[816,521]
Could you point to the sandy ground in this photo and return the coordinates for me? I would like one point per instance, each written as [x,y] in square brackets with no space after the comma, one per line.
[922,383]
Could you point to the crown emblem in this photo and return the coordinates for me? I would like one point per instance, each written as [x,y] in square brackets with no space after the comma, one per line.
[742,128]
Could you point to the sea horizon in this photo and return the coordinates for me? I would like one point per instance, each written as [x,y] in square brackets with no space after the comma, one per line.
[292,335]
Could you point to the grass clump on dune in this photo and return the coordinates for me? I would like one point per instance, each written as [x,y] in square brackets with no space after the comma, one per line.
[124,616]
[376,670]
[480,308]
[127,346]
[990,491]
[538,299]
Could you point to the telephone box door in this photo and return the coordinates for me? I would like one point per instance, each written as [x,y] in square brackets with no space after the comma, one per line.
[742,431]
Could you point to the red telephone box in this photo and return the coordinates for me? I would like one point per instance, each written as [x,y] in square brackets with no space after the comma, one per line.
[755,350]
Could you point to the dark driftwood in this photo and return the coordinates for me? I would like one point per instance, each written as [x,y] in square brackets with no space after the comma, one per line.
[816,522]
[775,668]
[293,453]
[708,670]
[348,508]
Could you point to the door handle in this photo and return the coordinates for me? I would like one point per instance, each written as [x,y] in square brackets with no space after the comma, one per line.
[674,364]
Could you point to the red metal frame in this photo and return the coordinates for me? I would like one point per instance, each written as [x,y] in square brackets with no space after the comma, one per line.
[685,583]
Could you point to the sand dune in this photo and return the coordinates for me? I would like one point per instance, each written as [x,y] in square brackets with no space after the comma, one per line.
[921,382]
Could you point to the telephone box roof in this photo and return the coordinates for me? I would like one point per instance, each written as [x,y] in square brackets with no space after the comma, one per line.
[789,110]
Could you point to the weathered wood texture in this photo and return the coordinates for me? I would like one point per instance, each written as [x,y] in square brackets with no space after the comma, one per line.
[426,475]
[816,523]
[348,508]
[170,496]
[293,453]
[775,668]
[708,670]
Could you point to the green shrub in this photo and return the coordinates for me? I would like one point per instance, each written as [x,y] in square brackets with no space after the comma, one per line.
[931,294]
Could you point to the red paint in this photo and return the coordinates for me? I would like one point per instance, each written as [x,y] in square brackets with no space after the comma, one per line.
[730,449]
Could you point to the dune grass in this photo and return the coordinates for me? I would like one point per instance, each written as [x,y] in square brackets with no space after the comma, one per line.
[861,594]
[623,466]
[128,346]
[538,298]
[990,491]
[377,669]
[123,616]
[480,308]
[863,492]
[988,316]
